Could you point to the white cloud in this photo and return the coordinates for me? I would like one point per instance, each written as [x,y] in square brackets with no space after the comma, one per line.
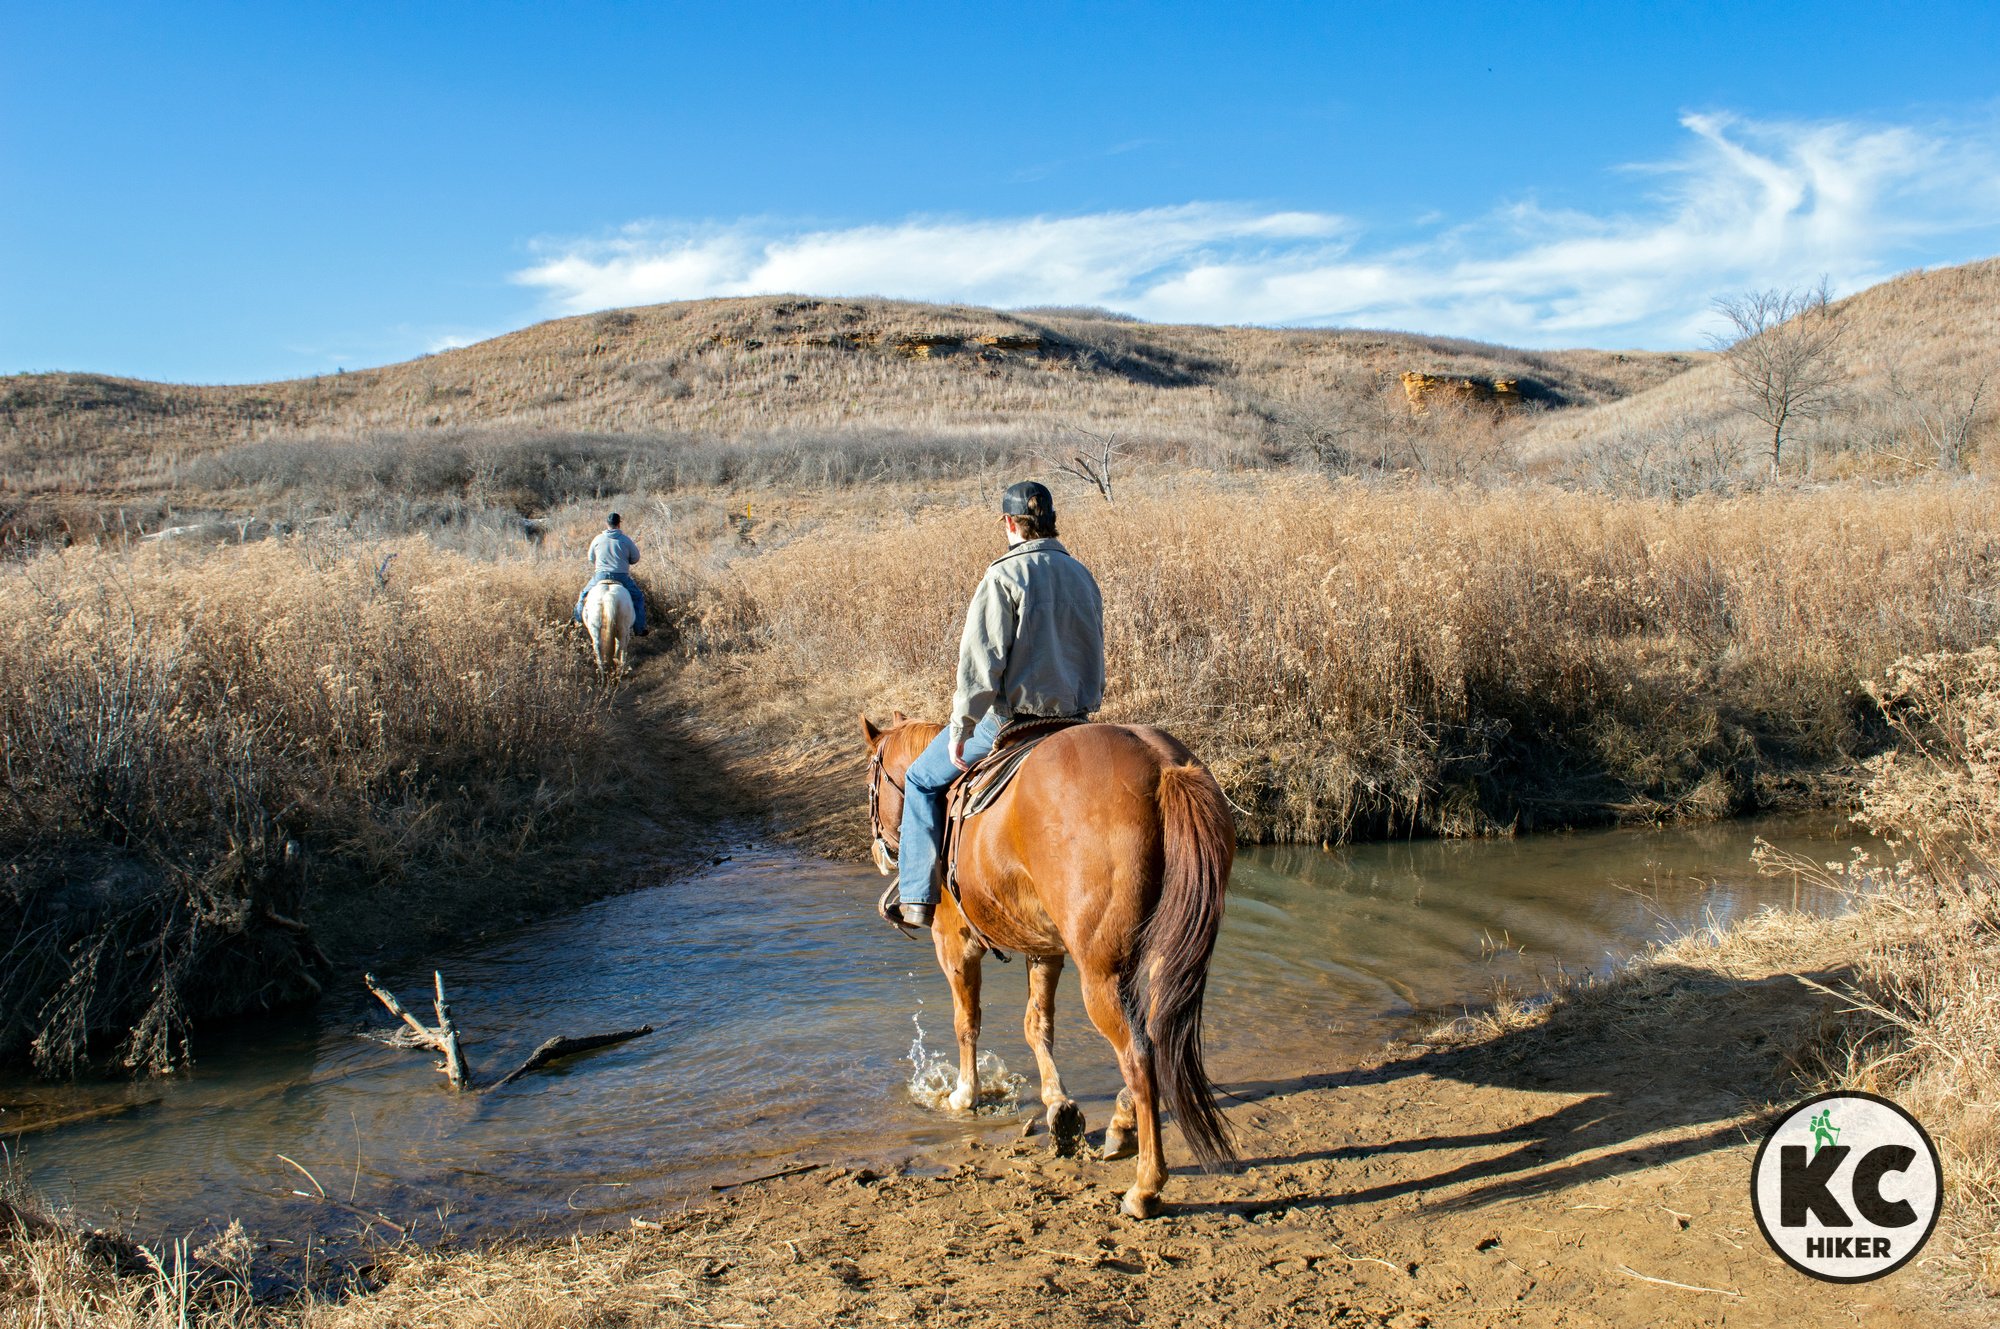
[451,341]
[1746,205]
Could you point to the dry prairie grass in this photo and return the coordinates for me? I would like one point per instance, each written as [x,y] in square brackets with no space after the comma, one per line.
[750,367]
[1357,661]
[198,746]
[1922,1019]
[53,1276]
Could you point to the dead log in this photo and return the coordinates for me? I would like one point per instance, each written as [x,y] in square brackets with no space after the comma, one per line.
[454,1055]
[555,1049]
[443,1040]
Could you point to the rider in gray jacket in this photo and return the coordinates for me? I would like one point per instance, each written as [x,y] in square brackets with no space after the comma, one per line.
[611,556]
[1033,648]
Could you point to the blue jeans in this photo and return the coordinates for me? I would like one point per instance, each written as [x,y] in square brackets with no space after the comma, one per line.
[923,809]
[623,579]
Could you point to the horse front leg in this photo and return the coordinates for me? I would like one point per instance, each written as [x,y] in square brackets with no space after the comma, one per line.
[1063,1117]
[959,955]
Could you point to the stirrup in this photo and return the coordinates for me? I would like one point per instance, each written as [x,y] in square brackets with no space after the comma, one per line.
[891,906]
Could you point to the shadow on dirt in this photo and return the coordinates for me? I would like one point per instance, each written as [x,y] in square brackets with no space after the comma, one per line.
[1676,1061]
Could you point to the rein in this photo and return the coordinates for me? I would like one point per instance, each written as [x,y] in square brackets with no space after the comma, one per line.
[884,851]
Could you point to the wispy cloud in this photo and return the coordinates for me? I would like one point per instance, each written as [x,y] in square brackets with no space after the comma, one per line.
[1745,204]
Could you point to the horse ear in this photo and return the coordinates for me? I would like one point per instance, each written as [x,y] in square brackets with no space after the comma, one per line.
[899,716]
[869,733]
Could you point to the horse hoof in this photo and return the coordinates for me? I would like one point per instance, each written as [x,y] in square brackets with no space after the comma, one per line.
[960,1100]
[1066,1129]
[1119,1144]
[1135,1205]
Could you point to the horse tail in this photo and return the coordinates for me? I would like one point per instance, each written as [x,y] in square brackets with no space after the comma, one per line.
[1174,948]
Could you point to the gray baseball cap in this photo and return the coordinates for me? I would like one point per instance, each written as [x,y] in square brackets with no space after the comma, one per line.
[1028,498]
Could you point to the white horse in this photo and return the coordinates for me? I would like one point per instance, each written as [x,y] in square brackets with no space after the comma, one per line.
[607,617]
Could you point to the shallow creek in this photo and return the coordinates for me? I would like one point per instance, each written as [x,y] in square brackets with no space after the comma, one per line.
[785,1017]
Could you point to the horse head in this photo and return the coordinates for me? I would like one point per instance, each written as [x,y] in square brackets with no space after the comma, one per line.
[891,749]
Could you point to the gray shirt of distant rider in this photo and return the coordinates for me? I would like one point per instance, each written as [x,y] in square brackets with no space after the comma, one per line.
[613,553]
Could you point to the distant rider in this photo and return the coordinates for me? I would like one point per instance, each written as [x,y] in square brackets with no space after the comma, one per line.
[1033,649]
[612,555]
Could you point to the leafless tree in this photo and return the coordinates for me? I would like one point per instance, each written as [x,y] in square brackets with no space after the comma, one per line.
[1090,459]
[1781,351]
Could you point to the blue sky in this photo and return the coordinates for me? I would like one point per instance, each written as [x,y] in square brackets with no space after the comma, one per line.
[219,193]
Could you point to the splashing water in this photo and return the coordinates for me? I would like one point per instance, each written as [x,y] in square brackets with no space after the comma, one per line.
[933,1076]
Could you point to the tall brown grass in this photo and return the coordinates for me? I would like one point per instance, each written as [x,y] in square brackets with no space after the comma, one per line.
[201,750]
[1356,661]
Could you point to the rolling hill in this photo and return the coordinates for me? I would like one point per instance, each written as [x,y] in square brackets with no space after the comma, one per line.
[751,367]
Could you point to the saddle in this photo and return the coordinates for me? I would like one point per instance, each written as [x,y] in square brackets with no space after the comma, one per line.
[979,788]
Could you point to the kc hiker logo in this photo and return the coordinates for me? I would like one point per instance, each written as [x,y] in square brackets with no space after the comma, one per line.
[1846,1187]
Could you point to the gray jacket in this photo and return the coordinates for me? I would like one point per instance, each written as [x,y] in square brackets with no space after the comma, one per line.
[1034,639]
[613,553]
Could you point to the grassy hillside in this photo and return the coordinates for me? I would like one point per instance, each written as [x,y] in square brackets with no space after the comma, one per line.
[751,367]
[1914,353]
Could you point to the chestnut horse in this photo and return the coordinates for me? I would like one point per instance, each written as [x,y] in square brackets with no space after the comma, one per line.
[1113,845]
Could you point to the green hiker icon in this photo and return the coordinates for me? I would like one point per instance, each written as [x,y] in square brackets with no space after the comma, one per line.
[1824,1131]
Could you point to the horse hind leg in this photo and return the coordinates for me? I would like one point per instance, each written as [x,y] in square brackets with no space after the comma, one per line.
[1063,1117]
[1135,1061]
[1121,1136]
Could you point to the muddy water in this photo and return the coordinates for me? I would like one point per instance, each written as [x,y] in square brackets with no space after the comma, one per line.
[785,1017]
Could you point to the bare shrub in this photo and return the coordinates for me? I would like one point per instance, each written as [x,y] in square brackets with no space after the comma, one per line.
[1089,457]
[1935,419]
[1687,456]
[1355,425]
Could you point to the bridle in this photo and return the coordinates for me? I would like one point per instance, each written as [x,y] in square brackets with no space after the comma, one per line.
[885,853]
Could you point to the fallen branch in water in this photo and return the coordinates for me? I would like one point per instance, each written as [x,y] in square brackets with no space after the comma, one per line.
[442,1040]
[768,1176]
[555,1049]
[72,1118]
